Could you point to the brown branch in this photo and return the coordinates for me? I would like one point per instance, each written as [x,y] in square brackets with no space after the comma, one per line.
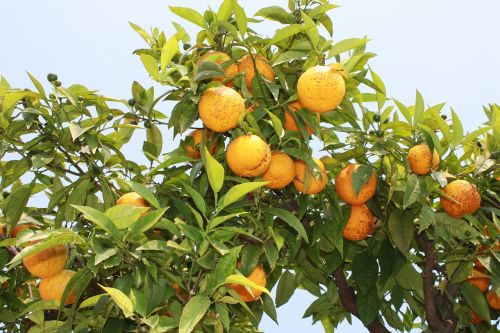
[433,317]
[348,300]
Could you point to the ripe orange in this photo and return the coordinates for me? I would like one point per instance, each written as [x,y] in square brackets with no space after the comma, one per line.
[221,58]
[48,262]
[281,171]
[220,108]
[248,156]
[359,225]
[345,191]
[493,300]
[258,276]
[421,160]
[193,151]
[475,318]
[52,288]
[134,199]
[305,177]
[290,123]
[321,88]
[246,66]
[466,196]
[480,280]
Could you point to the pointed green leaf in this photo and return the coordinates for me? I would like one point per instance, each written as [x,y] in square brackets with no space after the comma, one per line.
[168,51]
[120,299]
[290,219]
[237,192]
[194,310]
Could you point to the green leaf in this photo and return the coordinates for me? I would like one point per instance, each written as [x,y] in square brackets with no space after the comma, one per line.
[290,219]
[221,219]
[426,218]
[37,84]
[413,190]
[77,131]
[244,281]
[237,192]
[401,229]
[91,301]
[277,125]
[154,140]
[146,193]
[476,300]
[404,110]
[168,51]
[194,310]
[120,299]
[241,18]
[360,177]
[197,198]
[99,219]
[419,108]
[147,221]
[286,288]
[208,70]
[225,10]
[458,131]
[346,45]
[215,170]
[140,31]
[311,30]
[276,13]
[269,308]
[475,134]
[124,215]
[15,204]
[285,33]
[368,306]
[365,272]
[151,66]
[190,15]
[321,9]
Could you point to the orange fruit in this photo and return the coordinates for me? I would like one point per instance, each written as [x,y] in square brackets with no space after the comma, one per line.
[2,230]
[290,123]
[248,156]
[134,199]
[52,288]
[48,262]
[321,88]
[220,108]
[479,266]
[220,58]
[305,177]
[480,280]
[246,66]
[258,276]
[466,196]
[193,151]
[421,160]
[493,300]
[20,227]
[345,191]
[359,225]
[281,171]
[475,318]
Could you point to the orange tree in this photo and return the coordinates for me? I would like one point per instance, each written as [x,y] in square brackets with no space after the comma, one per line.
[194,239]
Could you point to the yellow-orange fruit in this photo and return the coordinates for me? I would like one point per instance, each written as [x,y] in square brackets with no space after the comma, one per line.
[345,191]
[246,66]
[466,196]
[220,108]
[2,230]
[248,156]
[134,199]
[359,225]
[305,177]
[421,160]
[20,227]
[48,262]
[192,151]
[290,123]
[475,318]
[493,300]
[258,276]
[221,58]
[52,288]
[321,88]
[480,280]
[281,171]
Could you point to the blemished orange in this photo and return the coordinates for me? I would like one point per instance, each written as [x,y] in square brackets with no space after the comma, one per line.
[493,300]
[258,276]
[246,66]
[48,262]
[220,108]
[221,58]
[466,196]
[248,156]
[359,225]
[193,151]
[281,171]
[305,180]
[52,288]
[421,160]
[321,88]
[290,123]
[475,318]
[345,190]
[480,280]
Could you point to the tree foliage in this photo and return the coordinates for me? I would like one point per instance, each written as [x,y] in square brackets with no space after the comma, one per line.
[169,268]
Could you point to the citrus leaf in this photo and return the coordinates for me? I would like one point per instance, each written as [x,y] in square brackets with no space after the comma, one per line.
[401,229]
[215,170]
[458,131]
[276,13]
[221,219]
[360,177]
[147,221]
[413,190]
[237,192]
[99,219]
[368,306]
[365,272]
[194,310]
[476,300]
[120,299]
[286,288]
[244,281]
[91,301]
[190,15]
[146,193]
[290,219]
[346,45]
[168,51]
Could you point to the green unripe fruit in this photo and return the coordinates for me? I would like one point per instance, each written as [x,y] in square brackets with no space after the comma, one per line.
[376,118]
[131,102]
[444,116]
[51,77]
[186,46]
[208,16]
[379,133]
[57,83]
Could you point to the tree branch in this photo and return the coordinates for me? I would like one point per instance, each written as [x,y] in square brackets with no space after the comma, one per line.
[348,300]
[433,318]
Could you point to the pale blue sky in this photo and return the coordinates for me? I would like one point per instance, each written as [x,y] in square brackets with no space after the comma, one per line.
[448,49]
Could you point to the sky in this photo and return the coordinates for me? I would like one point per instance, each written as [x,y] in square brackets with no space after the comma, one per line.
[448,49]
